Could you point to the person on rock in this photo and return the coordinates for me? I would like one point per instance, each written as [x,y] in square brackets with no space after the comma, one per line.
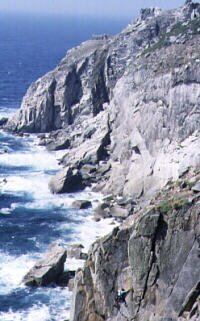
[121,298]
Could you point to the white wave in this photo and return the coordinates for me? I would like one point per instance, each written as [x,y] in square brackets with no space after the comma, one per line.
[7,112]
[57,309]
[5,211]
[12,270]
[88,231]
[37,160]
[8,210]
[35,182]
[34,314]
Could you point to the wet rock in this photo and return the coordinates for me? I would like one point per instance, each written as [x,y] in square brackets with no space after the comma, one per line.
[3,121]
[84,256]
[49,269]
[4,151]
[68,180]
[102,211]
[41,136]
[81,204]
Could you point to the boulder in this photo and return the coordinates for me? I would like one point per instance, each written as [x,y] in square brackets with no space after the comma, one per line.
[196,187]
[119,212]
[104,168]
[49,269]
[74,251]
[109,209]
[3,121]
[81,204]
[68,180]
[59,144]
[41,136]
[102,211]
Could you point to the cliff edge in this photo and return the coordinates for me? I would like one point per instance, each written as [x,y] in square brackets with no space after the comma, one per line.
[126,107]
[126,110]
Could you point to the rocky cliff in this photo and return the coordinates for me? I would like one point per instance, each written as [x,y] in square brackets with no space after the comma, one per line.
[153,256]
[126,110]
[127,103]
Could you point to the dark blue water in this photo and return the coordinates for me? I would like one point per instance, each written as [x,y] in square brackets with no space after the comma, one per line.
[30,217]
[31,45]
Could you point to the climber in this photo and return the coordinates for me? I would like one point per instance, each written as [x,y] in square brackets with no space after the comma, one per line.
[121,298]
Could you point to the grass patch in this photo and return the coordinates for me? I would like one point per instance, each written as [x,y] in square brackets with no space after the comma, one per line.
[164,207]
[179,29]
[175,203]
[179,202]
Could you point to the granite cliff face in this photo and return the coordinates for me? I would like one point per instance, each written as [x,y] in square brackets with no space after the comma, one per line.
[154,257]
[128,102]
[126,110]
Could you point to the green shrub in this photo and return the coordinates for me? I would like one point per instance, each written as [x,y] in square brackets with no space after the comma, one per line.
[175,203]
[179,202]
[164,207]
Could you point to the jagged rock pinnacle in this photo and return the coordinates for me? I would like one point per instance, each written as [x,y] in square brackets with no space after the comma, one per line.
[188,2]
[149,12]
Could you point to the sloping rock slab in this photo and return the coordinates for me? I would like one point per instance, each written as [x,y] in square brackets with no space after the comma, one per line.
[68,180]
[196,187]
[60,144]
[49,269]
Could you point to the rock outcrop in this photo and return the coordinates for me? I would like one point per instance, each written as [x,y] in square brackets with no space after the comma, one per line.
[3,121]
[154,257]
[131,101]
[126,109]
[81,204]
[76,251]
[69,180]
[49,269]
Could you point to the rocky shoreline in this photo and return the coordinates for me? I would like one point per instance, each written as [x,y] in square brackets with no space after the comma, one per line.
[125,109]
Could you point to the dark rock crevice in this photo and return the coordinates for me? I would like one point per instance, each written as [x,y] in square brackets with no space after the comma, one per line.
[159,234]
[51,102]
[157,262]
[191,299]
[73,93]
[100,93]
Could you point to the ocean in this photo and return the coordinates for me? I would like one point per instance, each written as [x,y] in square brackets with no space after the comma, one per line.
[30,217]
